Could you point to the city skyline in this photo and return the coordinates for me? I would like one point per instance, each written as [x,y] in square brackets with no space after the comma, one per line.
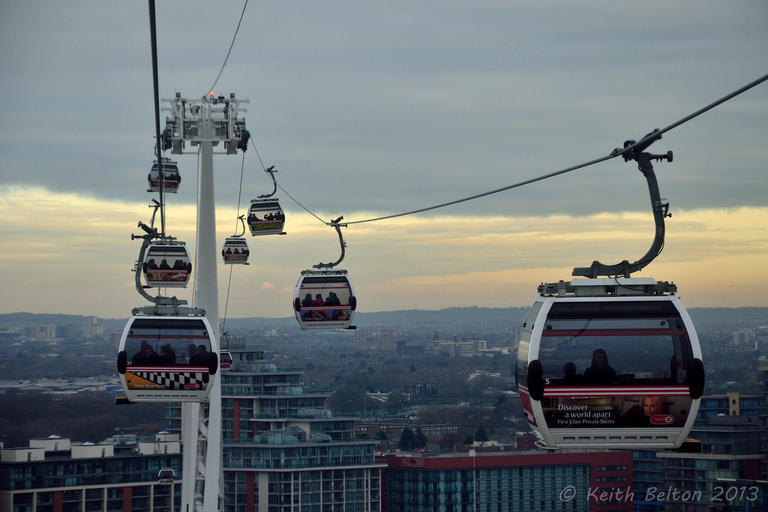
[369,111]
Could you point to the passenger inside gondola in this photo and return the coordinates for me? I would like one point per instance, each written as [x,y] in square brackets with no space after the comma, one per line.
[192,355]
[333,300]
[168,355]
[203,356]
[570,377]
[139,357]
[599,372]
[146,356]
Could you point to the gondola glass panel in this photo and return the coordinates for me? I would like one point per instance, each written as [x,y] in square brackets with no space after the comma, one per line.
[167,359]
[265,217]
[324,300]
[167,264]
[171,177]
[612,372]
[235,251]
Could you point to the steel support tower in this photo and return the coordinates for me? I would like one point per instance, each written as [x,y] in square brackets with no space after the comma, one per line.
[205,123]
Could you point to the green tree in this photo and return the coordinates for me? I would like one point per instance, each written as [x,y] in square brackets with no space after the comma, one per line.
[421,439]
[408,440]
[480,434]
[348,399]
[395,402]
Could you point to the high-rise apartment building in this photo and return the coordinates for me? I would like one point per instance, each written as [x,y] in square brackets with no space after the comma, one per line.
[283,450]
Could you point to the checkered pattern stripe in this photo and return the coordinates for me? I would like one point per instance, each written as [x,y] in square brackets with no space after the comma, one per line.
[177,380]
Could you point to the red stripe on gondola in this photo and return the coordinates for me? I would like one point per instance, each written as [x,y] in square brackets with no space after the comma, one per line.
[611,332]
[172,369]
[325,308]
[581,391]
[171,336]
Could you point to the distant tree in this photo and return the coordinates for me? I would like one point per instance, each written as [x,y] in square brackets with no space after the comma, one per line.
[421,439]
[395,402]
[348,399]
[481,435]
[342,356]
[80,418]
[413,368]
[381,436]
[310,367]
[408,440]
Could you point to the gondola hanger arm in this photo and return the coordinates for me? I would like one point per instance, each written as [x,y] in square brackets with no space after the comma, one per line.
[636,151]
[335,224]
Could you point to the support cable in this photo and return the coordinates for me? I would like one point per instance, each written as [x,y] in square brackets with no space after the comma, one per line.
[615,153]
[229,282]
[230,47]
[155,81]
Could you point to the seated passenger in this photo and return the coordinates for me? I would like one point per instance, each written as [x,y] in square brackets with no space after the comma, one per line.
[570,377]
[600,372]
[168,355]
[139,357]
[333,300]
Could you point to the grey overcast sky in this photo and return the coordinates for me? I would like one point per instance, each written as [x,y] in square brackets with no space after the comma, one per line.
[374,108]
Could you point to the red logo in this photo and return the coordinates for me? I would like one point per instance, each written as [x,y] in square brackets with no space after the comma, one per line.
[662,419]
[195,385]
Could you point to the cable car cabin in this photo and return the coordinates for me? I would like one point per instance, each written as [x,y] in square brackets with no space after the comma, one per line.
[166,476]
[167,264]
[167,359]
[265,217]
[235,251]
[609,363]
[225,361]
[324,299]
[171,177]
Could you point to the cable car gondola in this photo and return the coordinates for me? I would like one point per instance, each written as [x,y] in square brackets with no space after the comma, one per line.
[609,363]
[171,177]
[612,362]
[167,358]
[265,217]
[167,264]
[235,250]
[225,361]
[166,476]
[324,299]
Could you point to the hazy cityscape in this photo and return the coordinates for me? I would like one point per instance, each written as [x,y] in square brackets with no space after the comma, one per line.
[440,382]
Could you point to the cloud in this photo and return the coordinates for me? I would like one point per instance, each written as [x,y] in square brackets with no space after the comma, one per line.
[369,110]
[78,258]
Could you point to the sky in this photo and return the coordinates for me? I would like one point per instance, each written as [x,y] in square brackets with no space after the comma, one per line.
[368,109]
